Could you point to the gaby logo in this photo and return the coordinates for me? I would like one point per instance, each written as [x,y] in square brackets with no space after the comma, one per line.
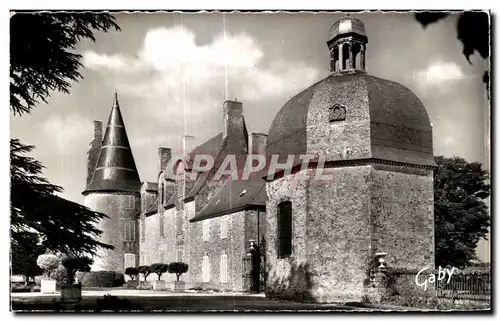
[238,167]
[444,274]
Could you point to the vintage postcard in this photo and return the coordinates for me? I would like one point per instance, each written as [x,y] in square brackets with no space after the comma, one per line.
[179,161]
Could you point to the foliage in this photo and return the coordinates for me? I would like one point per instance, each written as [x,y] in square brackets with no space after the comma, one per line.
[159,269]
[42,57]
[41,61]
[460,211]
[104,279]
[62,225]
[178,268]
[131,272]
[60,274]
[75,264]
[48,262]
[145,270]
[473,30]
[24,255]
[17,287]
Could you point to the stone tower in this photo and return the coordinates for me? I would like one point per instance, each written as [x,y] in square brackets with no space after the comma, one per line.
[114,189]
[375,196]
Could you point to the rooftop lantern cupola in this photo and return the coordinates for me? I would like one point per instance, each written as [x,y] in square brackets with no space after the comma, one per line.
[347,45]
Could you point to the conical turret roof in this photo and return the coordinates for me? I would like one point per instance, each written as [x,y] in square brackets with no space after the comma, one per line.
[115,170]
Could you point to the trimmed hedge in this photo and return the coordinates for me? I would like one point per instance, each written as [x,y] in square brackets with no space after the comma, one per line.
[105,279]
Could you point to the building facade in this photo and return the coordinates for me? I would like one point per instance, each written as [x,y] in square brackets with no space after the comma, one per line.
[374,138]
[366,189]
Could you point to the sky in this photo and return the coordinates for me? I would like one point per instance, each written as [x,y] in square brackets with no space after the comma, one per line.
[173,71]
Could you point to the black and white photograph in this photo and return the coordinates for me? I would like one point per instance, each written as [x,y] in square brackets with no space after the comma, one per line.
[250,161]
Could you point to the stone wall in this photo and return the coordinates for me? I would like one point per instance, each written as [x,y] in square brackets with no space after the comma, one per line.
[155,248]
[339,224]
[286,276]
[115,206]
[338,234]
[403,217]
[233,246]
[333,139]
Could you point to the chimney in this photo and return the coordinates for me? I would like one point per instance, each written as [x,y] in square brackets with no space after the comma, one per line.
[164,155]
[187,144]
[95,148]
[257,143]
[232,118]
[98,131]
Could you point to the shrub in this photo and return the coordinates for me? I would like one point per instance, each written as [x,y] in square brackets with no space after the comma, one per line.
[145,270]
[60,275]
[19,287]
[101,279]
[48,262]
[131,272]
[159,269]
[75,264]
[178,268]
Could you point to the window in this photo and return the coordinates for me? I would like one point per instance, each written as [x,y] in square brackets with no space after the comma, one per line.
[178,255]
[130,203]
[284,229]
[206,230]
[129,231]
[223,227]
[162,225]
[223,268]
[160,191]
[205,269]
[129,260]
[179,239]
[143,228]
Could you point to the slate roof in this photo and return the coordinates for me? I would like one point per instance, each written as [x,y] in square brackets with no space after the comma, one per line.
[115,170]
[218,155]
[210,147]
[171,202]
[391,107]
[234,196]
[150,186]
[153,208]
[346,26]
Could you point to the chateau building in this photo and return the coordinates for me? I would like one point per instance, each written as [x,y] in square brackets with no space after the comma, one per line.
[373,137]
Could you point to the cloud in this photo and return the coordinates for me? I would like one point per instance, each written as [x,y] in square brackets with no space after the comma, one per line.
[175,77]
[116,62]
[438,75]
[69,130]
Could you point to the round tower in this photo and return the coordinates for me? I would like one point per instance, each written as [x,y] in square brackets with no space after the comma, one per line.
[114,190]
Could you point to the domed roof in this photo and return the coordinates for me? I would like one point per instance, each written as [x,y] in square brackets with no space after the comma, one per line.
[345,26]
[383,120]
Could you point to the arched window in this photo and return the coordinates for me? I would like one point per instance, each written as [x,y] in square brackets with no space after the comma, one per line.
[356,54]
[284,229]
[161,191]
[346,48]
